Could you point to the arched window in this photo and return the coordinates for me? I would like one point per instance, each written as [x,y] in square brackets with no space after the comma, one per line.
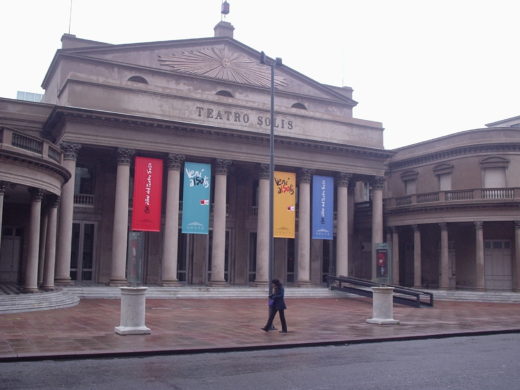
[138,79]
[301,106]
[224,93]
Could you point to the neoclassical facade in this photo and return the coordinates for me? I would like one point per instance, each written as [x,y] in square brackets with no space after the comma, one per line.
[444,207]
[199,100]
[452,211]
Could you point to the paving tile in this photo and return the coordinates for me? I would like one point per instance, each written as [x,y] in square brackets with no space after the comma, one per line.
[194,324]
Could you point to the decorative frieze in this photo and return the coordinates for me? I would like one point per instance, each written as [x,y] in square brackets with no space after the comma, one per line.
[221,63]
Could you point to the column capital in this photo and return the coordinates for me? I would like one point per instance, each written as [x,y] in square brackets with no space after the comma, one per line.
[415,228]
[3,187]
[344,179]
[443,225]
[221,166]
[479,225]
[54,201]
[36,194]
[124,156]
[70,150]
[517,225]
[305,175]
[377,182]
[264,172]
[175,161]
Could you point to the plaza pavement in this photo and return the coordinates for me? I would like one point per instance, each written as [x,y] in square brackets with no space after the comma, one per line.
[206,325]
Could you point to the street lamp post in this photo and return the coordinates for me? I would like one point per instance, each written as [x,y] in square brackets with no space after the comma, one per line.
[272,64]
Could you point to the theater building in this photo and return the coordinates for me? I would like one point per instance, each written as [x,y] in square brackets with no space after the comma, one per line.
[70,167]
[201,101]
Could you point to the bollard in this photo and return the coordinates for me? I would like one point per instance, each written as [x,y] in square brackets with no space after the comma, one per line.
[132,311]
[382,306]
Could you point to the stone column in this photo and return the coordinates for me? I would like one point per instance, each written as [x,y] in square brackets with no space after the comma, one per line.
[120,229]
[3,186]
[218,254]
[516,264]
[70,153]
[480,281]
[50,247]
[417,266]
[395,256]
[444,282]
[304,228]
[377,217]
[44,221]
[171,225]
[262,230]
[342,263]
[31,267]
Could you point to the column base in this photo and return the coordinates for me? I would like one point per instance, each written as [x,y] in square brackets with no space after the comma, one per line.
[303,283]
[48,288]
[218,283]
[63,282]
[171,283]
[260,283]
[29,290]
[118,283]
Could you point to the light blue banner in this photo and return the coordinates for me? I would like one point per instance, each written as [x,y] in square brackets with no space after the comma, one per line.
[322,207]
[196,198]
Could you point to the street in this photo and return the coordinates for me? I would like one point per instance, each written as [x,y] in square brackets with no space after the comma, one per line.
[476,363]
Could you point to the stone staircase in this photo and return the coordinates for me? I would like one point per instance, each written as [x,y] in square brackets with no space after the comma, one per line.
[17,302]
[12,300]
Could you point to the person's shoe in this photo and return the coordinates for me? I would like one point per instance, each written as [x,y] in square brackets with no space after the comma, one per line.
[265,329]
[283,331]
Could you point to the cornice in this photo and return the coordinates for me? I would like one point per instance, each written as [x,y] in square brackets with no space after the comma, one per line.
[455,152]
[126,121]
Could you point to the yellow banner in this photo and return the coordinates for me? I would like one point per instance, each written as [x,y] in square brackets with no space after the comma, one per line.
[284,203]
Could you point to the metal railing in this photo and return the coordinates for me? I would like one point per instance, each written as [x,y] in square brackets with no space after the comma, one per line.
[402,295]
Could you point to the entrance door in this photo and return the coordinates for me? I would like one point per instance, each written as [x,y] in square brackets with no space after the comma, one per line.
[497,264]
[82,253]
[10,254]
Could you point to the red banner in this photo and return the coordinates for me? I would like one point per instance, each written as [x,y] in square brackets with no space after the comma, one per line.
[146,214]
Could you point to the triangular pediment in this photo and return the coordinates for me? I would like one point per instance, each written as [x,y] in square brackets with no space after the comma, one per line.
[218,59]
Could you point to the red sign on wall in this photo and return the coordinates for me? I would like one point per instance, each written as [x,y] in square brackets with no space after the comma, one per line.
[146,214]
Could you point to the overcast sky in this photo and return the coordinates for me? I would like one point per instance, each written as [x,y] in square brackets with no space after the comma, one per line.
[423,68]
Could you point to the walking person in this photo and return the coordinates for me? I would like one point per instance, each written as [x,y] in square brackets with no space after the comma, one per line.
[277,303]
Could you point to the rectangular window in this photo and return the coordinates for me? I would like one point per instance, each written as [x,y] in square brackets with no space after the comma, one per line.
[410,187]
[445,182]
[495,178]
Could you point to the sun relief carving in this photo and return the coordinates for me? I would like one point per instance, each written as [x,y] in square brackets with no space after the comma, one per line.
[223,64]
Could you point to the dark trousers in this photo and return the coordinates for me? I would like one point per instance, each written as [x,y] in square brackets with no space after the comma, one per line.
[272,314]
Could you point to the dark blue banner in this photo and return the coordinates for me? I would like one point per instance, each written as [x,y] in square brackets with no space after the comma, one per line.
[322,207]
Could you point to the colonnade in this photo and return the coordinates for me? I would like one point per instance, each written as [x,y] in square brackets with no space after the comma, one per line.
[444,269]
[169,259]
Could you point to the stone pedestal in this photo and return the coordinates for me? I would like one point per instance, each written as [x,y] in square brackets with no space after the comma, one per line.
[382,306]
[132,311]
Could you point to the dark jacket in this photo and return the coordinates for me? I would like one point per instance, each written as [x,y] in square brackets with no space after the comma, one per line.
[277,297]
